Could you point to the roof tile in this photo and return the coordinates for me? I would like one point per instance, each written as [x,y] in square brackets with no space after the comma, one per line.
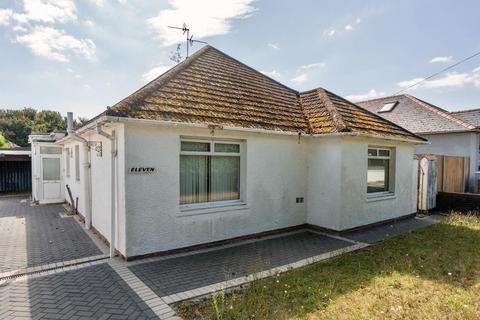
[210,87]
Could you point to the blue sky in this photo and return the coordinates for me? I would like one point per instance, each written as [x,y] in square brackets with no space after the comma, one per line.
[84,55]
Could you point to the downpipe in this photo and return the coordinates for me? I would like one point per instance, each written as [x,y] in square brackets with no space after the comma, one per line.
[113,151]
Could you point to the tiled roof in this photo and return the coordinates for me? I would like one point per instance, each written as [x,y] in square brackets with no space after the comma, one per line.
[471,116]
[212,88]
[416,115]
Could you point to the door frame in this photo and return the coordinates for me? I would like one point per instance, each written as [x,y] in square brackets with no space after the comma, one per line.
[41,183]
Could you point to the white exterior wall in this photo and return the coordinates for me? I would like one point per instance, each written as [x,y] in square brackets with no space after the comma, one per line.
[462,144]
[100,182]
[76,186]
[356,208]
[274,172]
[337,183]
[330,173]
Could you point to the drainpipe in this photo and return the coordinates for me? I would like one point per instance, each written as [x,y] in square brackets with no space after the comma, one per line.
[86,170]
[113,151]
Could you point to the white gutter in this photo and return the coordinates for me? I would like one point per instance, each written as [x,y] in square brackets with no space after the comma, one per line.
[111,137]
[368,135]
[86,169]
[252,130]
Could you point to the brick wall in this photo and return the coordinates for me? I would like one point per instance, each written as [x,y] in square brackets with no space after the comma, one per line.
[458,201]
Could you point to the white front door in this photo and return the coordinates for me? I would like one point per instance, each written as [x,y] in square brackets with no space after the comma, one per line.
[51,180]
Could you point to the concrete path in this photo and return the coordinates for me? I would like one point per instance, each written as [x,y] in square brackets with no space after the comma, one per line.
[384,232]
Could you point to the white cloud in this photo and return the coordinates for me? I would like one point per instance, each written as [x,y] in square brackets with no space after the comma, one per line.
[47,11]
[408,83]
[55,44]
[300,79]
[5,15]
[358,20]
[205,18]
[154,73]
[348,27]
[441,59]
[450,80]
[312,66]
[101,3]
[89,23]
[329,32]
[272,74]
[274,46]
[372,94]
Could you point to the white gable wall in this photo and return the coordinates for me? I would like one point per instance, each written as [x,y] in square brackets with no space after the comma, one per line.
[461,144]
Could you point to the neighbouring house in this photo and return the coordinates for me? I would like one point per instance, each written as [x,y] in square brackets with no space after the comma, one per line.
[214,150]
[451,135]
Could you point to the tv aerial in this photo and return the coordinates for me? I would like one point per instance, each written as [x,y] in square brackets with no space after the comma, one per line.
[186,31]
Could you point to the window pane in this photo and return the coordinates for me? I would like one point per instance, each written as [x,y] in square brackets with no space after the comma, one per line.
[67,162]
[50,150]
[209,178]
[225,176]
[51,169]
[384,153]
[372,152]
[227,147]
[195,146]
[194,180]
[377,177]
[77,163]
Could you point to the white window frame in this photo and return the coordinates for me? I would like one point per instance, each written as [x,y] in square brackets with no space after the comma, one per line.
[67,162]
[391,171]
[214,204]
[77,162]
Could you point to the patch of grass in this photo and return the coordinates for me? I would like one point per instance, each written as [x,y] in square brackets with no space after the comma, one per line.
[433,273]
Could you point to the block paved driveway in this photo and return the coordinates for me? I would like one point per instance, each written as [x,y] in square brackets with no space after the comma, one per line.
[37,235]
[95,292]
[175,275]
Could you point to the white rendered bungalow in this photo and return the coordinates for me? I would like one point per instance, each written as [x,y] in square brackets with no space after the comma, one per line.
[213,151]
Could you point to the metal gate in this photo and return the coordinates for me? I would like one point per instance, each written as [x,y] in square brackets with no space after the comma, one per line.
[15,176]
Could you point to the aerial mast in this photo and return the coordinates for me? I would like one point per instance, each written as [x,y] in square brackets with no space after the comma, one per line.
[186,31]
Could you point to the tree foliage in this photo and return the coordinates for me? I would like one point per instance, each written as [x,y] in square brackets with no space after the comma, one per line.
[16,125]
[3,142]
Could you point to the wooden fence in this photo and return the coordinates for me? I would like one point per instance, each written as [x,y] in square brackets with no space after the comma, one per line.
[452,173]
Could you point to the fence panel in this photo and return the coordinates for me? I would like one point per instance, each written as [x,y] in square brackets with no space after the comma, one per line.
[453,173]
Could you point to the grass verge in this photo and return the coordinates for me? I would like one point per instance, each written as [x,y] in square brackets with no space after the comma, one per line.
[433,273]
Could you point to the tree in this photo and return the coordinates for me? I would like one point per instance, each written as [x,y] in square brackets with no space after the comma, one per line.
[47,121]
[3,142]
[16,125]
[176,56]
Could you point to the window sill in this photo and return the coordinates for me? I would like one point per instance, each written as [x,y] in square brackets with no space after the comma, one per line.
[380,196]
[204,208]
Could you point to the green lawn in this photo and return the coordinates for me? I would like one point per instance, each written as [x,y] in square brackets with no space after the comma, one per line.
[433,273]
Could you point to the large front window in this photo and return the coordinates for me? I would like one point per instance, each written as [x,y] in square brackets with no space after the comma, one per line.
[209,171]
[379,173]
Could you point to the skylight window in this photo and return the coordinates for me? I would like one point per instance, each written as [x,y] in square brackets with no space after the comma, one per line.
[387,107]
